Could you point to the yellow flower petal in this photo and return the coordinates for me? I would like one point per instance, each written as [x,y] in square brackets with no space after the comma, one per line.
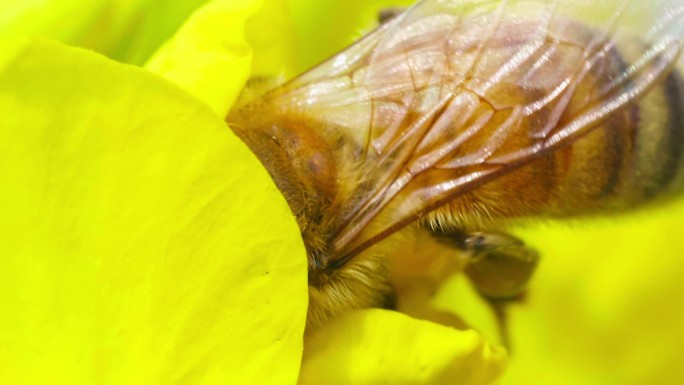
[141,28]
[325,27]
[384,347]
[127,31]
[605,306]
[223,44]
[141,242]
[47,17]
[209,56]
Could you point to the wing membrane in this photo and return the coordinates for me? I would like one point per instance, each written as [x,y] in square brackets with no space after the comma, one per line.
[454,93]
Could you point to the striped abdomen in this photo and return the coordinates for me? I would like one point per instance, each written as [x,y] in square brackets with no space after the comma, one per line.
[632,158]
[635,157]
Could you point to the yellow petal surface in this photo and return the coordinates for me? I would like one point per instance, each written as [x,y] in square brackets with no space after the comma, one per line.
[604,306]
[385,347]
[210,56]
[141,241]
[325,27]
[127,31]
[223,44]
[142,26]
[47,17]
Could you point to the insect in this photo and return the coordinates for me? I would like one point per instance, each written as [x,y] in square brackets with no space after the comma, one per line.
[456,119]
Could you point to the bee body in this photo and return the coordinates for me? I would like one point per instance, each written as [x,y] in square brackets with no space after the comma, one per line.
[634,158]
[458,117]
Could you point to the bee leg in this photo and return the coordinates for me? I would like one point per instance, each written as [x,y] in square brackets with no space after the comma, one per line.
[500,309]
[389,301]
[499,266]
[387,14]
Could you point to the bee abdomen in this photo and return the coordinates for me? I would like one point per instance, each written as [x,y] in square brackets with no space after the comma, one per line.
[658,167]
[632,159]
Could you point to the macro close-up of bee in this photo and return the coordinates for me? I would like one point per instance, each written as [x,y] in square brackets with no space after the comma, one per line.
[407,156]
[306,192]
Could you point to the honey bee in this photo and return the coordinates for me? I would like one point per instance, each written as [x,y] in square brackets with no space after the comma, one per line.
[456,119]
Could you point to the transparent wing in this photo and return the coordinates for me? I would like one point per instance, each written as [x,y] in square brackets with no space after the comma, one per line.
[454,93]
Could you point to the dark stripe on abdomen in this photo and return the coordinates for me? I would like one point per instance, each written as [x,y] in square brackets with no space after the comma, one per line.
[657,167]
[674,91]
